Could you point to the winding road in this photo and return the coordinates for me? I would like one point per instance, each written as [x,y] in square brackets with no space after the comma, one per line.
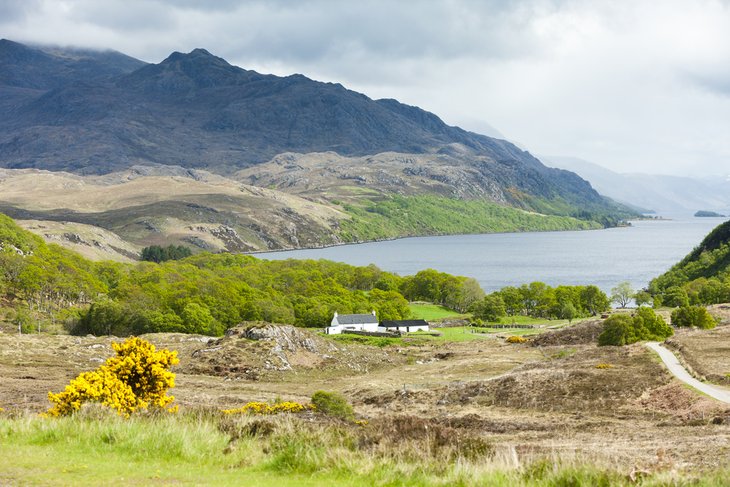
[672,363]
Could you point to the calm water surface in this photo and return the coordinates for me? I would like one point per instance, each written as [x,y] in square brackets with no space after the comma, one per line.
[602,257]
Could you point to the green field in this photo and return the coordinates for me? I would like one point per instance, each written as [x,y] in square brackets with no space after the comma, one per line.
[433,312]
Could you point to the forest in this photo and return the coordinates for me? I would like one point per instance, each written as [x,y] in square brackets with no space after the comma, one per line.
[45,285]
[701,278]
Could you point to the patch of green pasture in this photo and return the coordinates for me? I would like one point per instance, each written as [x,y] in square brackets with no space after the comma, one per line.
[433,312]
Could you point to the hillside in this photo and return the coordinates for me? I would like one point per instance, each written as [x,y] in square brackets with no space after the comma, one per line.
[703,276]
[115,215]
[45,286]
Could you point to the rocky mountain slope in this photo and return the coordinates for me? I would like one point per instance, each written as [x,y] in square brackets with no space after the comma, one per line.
[102,113]
[115,215]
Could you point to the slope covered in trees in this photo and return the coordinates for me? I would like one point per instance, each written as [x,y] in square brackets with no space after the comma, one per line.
[204,293]
[702,277]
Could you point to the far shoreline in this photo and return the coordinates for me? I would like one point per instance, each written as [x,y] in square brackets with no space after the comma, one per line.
[391,239]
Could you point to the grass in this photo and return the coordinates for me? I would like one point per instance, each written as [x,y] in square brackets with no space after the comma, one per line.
[211,449]
[433,312]
[80,451]
[348,338]
[455,334]
[398,216]
[451,334]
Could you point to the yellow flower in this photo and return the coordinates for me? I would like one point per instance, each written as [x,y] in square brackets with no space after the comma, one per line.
[137,376]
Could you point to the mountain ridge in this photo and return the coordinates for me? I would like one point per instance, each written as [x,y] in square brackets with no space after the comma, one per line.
[195,111]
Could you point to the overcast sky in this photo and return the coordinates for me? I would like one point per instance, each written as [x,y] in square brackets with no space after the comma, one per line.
[634,85]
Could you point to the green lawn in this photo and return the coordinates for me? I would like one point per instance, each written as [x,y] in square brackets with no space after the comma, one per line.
[433,312]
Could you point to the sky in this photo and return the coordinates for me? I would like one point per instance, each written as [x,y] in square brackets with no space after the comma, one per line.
[634,85]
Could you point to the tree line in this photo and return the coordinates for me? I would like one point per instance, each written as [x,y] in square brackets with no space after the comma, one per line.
[204,293]
[540,300]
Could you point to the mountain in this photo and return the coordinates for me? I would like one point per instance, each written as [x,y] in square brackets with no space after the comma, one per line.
[658,193]
[197,110]
[89,113]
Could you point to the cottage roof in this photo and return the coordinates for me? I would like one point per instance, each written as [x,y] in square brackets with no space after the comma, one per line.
[397,323]
[356,319]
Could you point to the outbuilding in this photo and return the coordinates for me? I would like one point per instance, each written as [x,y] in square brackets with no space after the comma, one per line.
[405,326]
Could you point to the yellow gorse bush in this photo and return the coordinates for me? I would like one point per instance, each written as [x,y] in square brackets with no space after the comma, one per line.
[266,408]
[136,378]
[604,366]
[516,339]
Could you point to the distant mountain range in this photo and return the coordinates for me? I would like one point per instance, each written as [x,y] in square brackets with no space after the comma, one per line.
[100,112]
[652,192]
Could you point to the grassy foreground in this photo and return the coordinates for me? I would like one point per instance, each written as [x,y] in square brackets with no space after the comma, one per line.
[209,448]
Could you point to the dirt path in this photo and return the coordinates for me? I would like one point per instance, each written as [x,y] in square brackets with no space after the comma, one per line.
[672,363]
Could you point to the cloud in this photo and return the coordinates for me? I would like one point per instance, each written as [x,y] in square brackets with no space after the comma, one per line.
[14,11]
[639,85]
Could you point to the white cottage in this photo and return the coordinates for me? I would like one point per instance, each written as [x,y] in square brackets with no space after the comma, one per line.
[358,322]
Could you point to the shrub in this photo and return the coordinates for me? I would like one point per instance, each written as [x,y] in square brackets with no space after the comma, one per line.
[695,316]
[516,339]
[622,329]
[333,404]
[604,366]
[617,330]
[651,326]
[265,408]
[136,378]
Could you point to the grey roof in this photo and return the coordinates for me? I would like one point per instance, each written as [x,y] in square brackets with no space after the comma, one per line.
[397,323]
[356,319]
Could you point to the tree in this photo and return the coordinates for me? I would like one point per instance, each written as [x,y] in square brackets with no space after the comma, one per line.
[568,312]
[23,321]
[512,298]
[105,317]
[594,300]
[676,296]
[693,316]
[490,308]
[196,318]
[155,253]
[622,294]
[642,298]
[389,305]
